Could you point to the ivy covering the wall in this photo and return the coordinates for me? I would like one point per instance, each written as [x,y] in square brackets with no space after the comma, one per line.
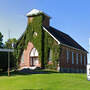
[50,43]
[42,41]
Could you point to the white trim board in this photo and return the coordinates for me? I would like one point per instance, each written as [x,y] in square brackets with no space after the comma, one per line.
[51,35]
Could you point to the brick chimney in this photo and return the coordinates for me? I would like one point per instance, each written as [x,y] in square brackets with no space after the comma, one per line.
[35,12]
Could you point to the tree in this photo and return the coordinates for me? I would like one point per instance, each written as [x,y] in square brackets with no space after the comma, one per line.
[10,43]
[1,38]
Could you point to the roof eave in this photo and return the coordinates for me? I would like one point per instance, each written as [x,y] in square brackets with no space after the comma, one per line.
[52,35]
[74,47]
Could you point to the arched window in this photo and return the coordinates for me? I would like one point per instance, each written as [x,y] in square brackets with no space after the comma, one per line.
[84,60]
[49,55]
[72,57]
[22,58]
[34,53]
[81,58]
[68,52]
[76,58]
[34,57]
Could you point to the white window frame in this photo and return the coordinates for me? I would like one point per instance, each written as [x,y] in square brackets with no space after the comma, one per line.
[67,56]
[81,58]
[76,58]
[72,57]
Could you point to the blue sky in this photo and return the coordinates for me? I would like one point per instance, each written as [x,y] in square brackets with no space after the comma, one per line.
[69,16]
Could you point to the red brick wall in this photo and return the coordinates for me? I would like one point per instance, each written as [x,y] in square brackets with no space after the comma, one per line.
[63,58]
[46,21]
[27,51]
[30,19]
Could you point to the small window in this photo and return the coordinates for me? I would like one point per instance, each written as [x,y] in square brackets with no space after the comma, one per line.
[67,56]
[22,58]
[84,60]
[72,57]
[77,58]
[50,55]
[81,59]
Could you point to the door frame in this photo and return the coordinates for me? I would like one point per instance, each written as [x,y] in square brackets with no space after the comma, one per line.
[32,61]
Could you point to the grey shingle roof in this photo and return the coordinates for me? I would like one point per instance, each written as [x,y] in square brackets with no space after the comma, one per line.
[64,38]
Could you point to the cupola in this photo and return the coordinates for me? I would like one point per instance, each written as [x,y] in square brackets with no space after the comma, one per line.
[35,12]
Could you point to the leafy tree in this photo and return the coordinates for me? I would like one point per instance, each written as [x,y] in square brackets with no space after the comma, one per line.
[1,38]
[10,43]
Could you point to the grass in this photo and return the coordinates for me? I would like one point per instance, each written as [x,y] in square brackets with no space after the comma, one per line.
[45,81]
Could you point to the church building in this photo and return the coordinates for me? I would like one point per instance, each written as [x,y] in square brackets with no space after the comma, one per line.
[43,46]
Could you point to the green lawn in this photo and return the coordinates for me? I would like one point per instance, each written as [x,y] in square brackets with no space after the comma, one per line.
[47,81]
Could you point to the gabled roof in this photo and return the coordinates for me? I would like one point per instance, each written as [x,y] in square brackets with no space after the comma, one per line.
[63,38]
